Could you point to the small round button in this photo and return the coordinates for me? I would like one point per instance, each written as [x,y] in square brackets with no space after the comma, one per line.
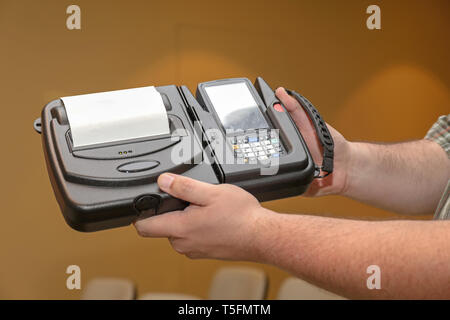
[146,202]
[137,166]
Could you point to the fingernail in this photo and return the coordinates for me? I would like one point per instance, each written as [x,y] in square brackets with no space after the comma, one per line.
[165,181]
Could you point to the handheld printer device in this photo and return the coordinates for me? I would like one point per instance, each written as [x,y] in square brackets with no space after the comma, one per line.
[233,132]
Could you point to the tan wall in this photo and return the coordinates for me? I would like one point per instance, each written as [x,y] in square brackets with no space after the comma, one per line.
[386,85]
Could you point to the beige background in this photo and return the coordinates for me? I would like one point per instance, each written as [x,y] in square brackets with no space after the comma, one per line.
[385,85]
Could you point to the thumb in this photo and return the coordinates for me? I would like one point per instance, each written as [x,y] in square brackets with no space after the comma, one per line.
[184,188]
[294,108]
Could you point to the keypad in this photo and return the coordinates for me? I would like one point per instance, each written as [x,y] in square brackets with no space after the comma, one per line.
[252,147]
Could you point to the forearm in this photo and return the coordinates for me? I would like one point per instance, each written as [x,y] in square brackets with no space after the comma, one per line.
[404,177]
[414,256]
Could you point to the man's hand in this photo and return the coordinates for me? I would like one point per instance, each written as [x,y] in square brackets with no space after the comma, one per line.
[222,221]
[336,182]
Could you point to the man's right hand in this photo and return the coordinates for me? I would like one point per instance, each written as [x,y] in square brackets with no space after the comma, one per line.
[336,182]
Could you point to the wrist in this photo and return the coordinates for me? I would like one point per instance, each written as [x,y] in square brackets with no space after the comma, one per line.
[357,161]
[263,233]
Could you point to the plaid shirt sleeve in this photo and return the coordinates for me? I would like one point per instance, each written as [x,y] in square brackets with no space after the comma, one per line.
[440,133]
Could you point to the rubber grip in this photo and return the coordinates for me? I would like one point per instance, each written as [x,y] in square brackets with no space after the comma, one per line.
[324,135]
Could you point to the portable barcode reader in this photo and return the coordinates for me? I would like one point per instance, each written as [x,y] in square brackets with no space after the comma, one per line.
[105,151]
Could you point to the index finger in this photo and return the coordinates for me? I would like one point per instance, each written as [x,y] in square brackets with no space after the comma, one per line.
[160,226]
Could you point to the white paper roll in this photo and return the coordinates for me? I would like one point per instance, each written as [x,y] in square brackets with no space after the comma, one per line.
[112,116]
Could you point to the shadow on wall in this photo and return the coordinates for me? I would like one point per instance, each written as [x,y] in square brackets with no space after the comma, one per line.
[166,70]
[394,99]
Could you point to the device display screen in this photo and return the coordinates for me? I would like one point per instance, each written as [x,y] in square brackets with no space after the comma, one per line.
[236,106]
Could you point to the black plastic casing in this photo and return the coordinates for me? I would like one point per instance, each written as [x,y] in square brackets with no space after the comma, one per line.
[295,169]
[94,195]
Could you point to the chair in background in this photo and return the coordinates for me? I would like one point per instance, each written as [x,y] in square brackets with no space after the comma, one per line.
[241,283]
[109,289]
[228,283]
[167,296]
[297,289]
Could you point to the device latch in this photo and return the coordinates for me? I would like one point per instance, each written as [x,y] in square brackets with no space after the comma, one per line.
[37,125]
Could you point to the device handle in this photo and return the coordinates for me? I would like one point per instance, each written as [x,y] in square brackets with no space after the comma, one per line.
[324,135]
